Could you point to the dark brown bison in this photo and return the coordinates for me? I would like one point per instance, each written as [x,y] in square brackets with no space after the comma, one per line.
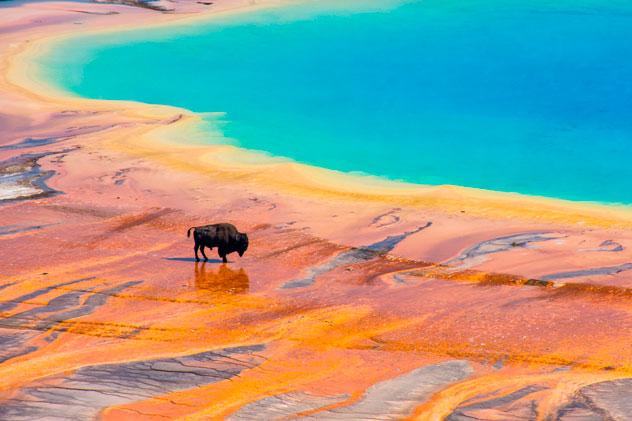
[223,236]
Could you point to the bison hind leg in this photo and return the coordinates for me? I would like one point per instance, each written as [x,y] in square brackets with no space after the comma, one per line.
[195,248]
[203,254]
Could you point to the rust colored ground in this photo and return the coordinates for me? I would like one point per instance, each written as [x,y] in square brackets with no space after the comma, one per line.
[356,300]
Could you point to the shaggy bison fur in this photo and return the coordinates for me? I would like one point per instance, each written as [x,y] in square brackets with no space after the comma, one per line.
[223,236]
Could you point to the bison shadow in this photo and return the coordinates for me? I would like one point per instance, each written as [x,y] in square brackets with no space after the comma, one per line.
[191,259]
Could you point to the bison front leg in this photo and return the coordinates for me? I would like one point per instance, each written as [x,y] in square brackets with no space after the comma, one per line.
[222,254]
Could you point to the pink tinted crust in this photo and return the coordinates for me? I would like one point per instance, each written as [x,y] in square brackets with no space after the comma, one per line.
[495,304]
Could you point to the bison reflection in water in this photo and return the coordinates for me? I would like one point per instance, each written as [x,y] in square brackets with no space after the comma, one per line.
[223,236]
[224,280]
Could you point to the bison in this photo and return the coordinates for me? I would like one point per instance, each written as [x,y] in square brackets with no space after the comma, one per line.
[223,236]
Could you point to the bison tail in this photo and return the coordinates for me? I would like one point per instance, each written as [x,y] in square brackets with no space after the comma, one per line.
[189,232]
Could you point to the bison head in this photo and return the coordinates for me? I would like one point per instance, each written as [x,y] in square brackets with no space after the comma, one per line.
[242,244]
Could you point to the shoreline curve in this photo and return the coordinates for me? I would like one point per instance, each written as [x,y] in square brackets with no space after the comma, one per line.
[165,145]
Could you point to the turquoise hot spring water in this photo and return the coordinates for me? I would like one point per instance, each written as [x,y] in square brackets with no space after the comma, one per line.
[527,96]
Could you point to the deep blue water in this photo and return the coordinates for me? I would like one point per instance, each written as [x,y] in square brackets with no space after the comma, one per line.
[524,96]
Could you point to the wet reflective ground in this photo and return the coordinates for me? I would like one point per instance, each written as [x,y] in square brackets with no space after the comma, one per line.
[128,325]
